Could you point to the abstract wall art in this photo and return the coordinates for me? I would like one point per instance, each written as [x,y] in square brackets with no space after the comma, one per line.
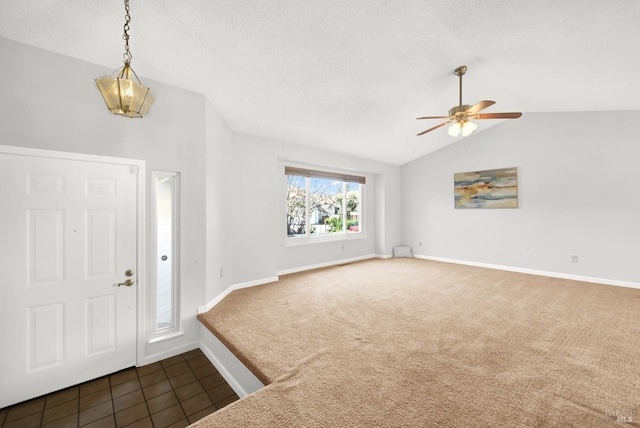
[494,188]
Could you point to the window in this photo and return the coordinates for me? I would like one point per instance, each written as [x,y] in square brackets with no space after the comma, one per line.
[166,187]
[323,204]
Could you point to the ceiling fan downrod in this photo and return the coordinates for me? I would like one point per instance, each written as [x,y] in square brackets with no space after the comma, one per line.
[460,107]
[460,72]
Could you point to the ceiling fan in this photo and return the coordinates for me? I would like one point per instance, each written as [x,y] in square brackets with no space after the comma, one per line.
[461,114]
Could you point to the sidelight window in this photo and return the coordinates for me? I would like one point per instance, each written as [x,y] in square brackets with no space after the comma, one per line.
[166,190]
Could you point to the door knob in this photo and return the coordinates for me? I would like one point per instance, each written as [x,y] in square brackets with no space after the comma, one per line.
[127,283]
[129,272]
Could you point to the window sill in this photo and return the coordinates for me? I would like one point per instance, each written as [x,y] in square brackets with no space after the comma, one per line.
[296,242]
[166,336]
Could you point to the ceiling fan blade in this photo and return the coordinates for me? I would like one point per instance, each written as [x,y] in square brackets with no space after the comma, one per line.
[433,117]
[435,127]
[497,115]
[480,106]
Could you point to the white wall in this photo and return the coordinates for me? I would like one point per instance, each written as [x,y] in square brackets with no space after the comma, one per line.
[51,102]
[259,208]
[220,210]
[253,201]
[577,179]
[389,212]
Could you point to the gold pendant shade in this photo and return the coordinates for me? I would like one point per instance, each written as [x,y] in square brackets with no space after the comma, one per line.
[124,95]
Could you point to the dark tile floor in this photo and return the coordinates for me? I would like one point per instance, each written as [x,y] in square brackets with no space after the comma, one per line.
[170,393]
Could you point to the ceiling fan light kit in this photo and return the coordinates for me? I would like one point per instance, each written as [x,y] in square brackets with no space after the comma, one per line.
[466,128]
[124,95]
[462,114]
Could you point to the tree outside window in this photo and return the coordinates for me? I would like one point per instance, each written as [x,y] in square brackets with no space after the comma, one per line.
[318,206]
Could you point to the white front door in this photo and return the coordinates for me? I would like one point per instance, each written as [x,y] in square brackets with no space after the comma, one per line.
[68,233]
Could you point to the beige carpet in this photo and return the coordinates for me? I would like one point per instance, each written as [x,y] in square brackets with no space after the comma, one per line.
[407,342]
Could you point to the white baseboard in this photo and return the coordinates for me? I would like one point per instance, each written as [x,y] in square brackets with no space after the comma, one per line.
[384,256]
[326,264]
[225,293]
[232,370]
[534,272]
[148,359]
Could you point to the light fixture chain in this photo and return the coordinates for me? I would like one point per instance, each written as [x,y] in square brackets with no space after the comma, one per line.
[127,19]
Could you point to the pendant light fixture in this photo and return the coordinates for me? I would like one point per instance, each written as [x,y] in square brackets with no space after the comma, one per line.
[124,95]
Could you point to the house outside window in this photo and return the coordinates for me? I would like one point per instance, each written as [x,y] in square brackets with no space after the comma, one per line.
[323,205]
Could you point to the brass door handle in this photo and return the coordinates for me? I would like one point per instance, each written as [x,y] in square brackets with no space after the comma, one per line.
[128,283]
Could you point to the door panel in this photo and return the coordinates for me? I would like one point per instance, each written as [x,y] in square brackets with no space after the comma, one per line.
[44,336]
[68,233]
[45,246]
[100,236]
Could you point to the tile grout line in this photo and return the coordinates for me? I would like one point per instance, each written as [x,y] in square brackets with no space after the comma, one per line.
[78,408]
[176,393]
[115,424]
[146,402]
[204,388]
[172,390]
[44,407]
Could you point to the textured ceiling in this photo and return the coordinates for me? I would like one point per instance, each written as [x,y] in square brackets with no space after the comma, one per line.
[352,76]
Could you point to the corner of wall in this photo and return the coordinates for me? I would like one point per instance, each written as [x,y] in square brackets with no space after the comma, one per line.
[219,239]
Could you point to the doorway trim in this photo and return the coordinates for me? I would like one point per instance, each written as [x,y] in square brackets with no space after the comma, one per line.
[138,167]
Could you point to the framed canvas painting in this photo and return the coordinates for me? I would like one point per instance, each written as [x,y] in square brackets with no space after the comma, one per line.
[494,188]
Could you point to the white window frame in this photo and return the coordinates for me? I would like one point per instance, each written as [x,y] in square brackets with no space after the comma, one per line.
[333,237]
[175,329]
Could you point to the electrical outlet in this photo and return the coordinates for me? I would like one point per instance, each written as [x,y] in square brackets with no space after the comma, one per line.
[221,273]
[420,244]
[343,246]
[574,259]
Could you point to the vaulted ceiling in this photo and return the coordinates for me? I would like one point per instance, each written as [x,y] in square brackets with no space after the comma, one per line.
[352,76]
